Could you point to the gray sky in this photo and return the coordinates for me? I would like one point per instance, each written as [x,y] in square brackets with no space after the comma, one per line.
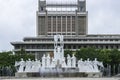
[18,19]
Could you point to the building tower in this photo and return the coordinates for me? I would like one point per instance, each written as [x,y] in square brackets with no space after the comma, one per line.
[68,17]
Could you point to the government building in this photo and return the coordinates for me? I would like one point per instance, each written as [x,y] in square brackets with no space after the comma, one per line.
[68,18]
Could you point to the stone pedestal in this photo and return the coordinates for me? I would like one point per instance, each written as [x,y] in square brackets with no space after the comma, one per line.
[94,74]
[57,74]
[27,74]
[21,75]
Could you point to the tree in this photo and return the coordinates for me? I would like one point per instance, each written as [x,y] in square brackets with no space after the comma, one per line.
[115,57]
[8,59]
[68,52]
[86,53]
[104,55]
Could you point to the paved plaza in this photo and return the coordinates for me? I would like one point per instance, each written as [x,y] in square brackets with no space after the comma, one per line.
[62,79]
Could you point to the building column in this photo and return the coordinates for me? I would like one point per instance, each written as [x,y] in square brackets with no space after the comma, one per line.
[46,23]
[61,25]
[66,25]
[109,47]
[37,25]
[104,46]
[72,46]
[114,47]
[76,24]
[118,46]
[77,47]
[71,25]
[56,25]
[99,47]
[30,46]
[51,25]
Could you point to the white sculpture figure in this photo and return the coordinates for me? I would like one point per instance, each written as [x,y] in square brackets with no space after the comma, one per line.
[55,38]
[36,65]
[28,66]
[95,62]
[21,65]
[48,60]
[100,64]
[81,65]
[89,66]
[63,63]
[53,63]
[62,51]
[73,61]
[58,49]
[68,61]
[61,38]
[33,66]
[44,61]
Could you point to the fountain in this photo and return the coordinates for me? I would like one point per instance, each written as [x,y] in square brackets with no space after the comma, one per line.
[59,66]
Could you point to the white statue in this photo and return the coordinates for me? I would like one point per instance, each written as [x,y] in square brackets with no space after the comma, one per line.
[48,60]
[53,63]
[73,60]
[21,65]
[28,66]
[63,63]
[68,61]
[81,65]
[44,61]
[62,38]
[95,65]
[89,66]
[58,49]
[36,65]
[55,38]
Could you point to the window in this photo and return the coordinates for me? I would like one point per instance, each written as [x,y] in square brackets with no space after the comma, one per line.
[74,47]
[49,24]
[41,8]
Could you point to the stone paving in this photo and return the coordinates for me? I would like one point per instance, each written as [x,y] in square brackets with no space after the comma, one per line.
[61,79]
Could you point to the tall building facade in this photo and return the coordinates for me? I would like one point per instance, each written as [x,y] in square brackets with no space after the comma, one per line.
[68,18]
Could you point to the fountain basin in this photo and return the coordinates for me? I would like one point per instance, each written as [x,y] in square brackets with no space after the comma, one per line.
[59,72]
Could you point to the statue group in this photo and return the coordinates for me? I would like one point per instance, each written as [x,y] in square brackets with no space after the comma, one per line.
[47,62]
[28,66]
[59,61]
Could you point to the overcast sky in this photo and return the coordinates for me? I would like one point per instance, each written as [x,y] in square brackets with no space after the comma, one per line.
[18,19]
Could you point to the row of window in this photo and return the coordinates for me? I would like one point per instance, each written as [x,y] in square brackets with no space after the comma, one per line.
[62,33]
[41,23]
[60,23]
[44,40]
[67,46]
[81,25]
